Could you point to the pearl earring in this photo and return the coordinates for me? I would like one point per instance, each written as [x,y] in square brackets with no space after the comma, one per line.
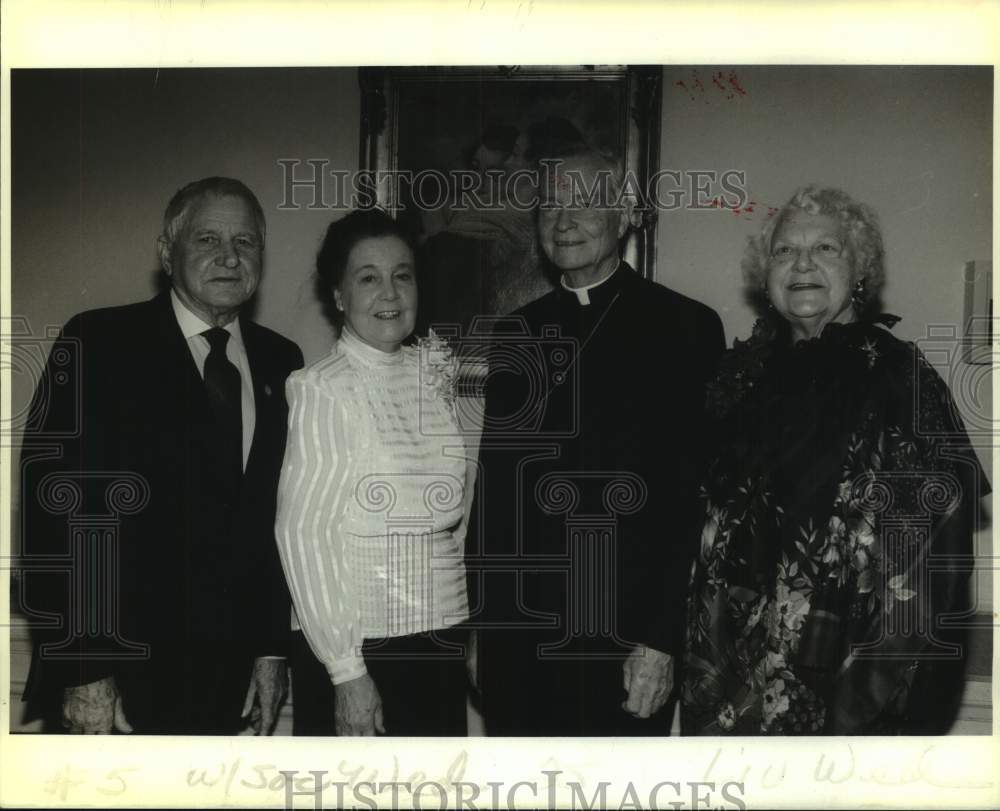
[767,297]
[858,295]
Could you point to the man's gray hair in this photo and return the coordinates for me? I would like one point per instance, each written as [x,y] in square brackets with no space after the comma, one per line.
[179,207]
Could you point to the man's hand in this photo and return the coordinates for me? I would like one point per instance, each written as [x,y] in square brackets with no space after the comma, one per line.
[94,709]
[268,688]
[358,707]
[649,678]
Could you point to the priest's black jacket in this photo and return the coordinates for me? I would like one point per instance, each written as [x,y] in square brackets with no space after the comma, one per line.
[141,559]
[587,512]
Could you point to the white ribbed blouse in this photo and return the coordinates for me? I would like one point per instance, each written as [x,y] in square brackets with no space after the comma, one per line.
[370,498]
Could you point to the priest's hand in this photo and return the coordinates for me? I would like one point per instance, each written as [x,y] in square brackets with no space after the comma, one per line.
[649,678]
[94,709]
[358,707]
[268,689]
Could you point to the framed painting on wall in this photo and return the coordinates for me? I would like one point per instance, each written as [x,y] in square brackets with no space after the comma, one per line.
[428,134]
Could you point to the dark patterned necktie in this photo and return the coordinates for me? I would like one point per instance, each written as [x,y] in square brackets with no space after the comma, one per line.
[223,384]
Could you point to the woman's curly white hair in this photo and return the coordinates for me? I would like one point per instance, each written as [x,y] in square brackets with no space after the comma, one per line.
[860,227]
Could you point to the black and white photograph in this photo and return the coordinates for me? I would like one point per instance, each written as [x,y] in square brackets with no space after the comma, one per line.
[528,419]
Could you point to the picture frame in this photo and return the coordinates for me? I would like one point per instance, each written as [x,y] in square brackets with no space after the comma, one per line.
[978,309]
[433,119]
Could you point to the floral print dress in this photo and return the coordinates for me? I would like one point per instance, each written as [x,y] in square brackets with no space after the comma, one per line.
[840,507]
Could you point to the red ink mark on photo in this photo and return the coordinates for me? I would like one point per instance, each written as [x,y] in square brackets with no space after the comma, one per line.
[726,83]
[680,83]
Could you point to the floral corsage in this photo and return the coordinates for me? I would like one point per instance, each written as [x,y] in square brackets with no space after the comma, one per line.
[438,368]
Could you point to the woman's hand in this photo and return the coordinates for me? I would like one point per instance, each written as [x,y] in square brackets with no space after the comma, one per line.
[358,707]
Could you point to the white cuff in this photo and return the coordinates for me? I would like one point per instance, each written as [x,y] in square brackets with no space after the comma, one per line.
[346,669]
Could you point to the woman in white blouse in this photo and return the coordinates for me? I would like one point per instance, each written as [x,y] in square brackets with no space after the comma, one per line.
[370,506]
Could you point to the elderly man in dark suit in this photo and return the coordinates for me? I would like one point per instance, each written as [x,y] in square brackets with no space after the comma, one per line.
[591,453]
[175,619]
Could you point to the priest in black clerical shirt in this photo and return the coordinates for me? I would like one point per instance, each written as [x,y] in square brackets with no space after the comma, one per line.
[586,518]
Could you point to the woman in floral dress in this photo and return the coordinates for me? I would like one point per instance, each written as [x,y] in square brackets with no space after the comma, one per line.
[840,504]
[370,522]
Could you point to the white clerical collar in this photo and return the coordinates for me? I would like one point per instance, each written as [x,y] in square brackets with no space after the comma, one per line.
[192,324]
[582,294]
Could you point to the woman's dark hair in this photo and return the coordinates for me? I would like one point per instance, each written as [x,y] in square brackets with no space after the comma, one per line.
[341,237]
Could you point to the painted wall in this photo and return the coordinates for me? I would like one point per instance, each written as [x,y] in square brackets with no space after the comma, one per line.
[914,143]
[97,155]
